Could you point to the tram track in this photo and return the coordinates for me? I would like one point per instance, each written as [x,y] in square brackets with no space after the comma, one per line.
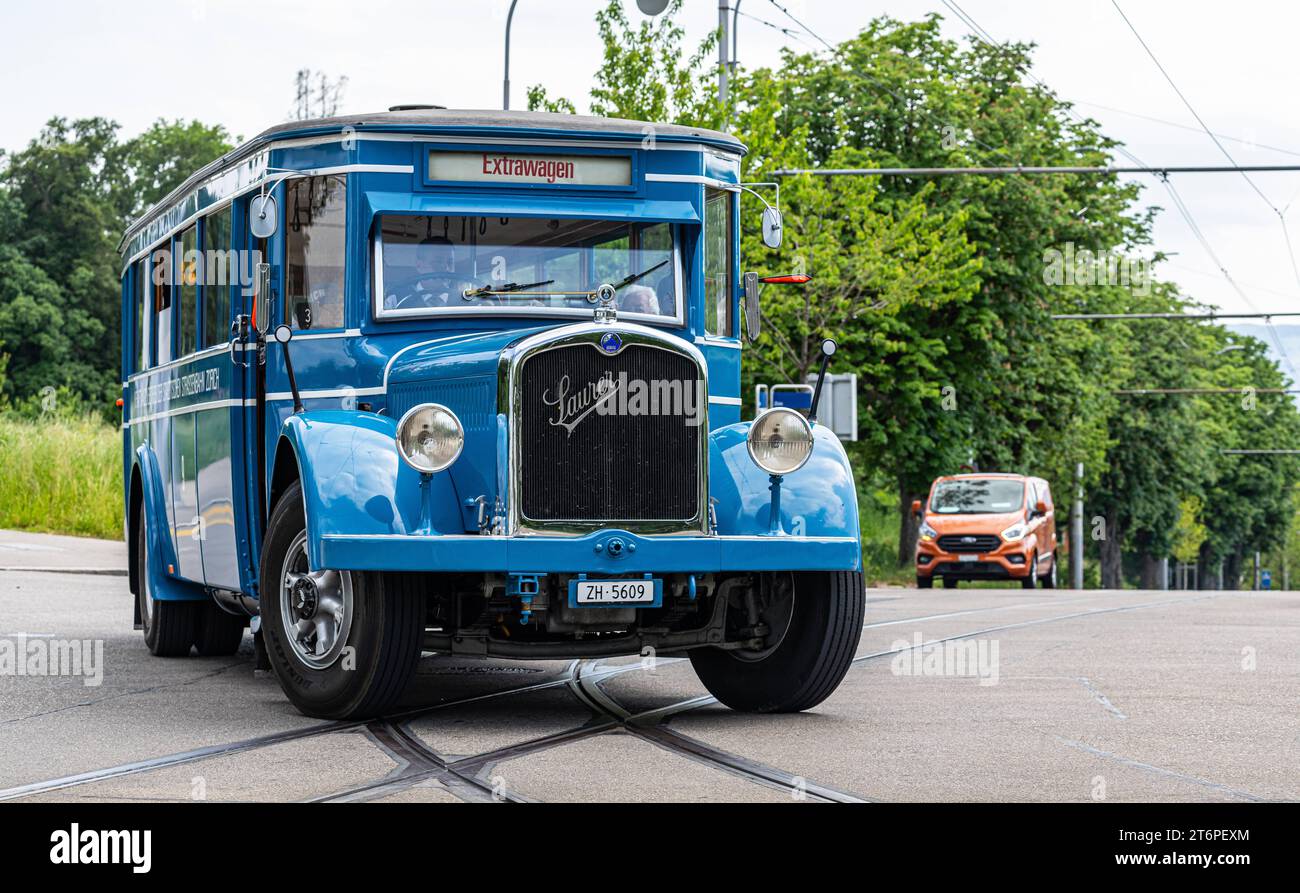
[262,741]
[464,776]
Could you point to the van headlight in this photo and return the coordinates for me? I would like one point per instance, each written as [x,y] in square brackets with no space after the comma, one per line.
[430,437]
[780,441]
[927,532]
[1015,533]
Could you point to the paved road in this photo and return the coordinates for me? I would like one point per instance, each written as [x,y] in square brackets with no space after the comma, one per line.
[1067,696]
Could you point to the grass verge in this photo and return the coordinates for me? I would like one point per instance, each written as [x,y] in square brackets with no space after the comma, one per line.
[61,475]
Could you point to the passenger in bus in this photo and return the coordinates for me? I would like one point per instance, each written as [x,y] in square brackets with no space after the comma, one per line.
[639,299]
[435,283]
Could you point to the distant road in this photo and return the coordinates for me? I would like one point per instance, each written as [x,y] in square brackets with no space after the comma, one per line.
[60,553]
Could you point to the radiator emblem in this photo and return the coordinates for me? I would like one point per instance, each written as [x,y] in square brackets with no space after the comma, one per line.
[610,342]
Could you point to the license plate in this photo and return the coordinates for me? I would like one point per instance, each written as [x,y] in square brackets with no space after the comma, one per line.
[615,593]
[968,558]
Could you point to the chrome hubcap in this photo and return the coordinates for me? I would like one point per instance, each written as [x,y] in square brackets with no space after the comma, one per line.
[315,607]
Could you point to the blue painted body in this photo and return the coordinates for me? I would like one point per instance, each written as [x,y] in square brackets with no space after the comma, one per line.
[200,448]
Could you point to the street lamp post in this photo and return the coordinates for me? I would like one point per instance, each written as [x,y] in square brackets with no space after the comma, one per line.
[649,7]
[505,83]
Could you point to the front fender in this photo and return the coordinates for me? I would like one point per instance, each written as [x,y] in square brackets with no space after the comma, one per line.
[817,500]
[354,482]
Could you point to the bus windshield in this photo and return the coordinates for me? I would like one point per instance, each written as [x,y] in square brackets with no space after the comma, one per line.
[977,497]
[438,263]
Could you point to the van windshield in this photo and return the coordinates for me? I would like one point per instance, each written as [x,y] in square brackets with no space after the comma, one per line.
[976,497]
[444,263]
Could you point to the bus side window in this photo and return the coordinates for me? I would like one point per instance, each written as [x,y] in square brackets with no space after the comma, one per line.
[220,271]
[315,228]
[143,290]
[187,272]
[161,281]
[717,263]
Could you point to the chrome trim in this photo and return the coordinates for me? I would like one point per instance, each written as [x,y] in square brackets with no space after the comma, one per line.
[509,402]
[380,313]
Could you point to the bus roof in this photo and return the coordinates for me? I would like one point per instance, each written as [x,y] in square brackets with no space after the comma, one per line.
[555,123]
[449,122]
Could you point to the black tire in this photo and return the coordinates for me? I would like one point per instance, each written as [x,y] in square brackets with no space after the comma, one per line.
[218,633]
[924,582]
[1048,579]
[385,633]
[168,625]
[1030,580]
[949,582]
[810,661]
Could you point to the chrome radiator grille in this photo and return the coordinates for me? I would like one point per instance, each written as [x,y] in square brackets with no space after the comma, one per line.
[587,454]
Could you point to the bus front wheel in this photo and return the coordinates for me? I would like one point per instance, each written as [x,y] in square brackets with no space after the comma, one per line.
[813,622]
[342,644]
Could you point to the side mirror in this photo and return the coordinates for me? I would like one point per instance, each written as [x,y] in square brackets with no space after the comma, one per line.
[916,508]
[1041,508]
[263,216]
[753,319]
[262,299]
[772,227]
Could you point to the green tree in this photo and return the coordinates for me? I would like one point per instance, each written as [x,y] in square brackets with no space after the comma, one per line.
[64,203]
[646,74]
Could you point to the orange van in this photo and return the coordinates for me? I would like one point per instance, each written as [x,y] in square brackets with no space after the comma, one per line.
[987,527]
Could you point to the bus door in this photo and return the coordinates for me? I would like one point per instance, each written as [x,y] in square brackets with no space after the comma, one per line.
[219,425]
[232,439]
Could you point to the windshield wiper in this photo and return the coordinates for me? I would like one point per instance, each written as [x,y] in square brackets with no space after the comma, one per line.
[628,280]
[508,287]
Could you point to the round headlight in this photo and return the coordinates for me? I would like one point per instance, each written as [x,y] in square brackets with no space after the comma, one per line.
[430,437]
[780,441]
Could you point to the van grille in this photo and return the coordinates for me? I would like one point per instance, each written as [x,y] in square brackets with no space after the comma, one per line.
[979,542]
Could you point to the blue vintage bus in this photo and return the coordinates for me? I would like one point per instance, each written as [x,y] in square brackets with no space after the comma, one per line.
[462,382]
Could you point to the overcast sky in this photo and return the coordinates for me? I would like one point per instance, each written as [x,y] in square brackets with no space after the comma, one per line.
[1235,63]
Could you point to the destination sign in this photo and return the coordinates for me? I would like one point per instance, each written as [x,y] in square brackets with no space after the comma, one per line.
[500,167]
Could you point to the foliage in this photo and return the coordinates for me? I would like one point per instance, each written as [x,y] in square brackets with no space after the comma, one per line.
[49,486]
[1189,533]
[64,203]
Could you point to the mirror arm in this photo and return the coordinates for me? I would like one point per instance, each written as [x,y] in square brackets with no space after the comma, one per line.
[745,187]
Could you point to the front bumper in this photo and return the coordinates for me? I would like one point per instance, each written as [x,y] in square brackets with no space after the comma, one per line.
[606,551]
[995,565]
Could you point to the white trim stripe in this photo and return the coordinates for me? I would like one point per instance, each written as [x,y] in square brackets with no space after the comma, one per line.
[692,178]
[185,410]
[725,401]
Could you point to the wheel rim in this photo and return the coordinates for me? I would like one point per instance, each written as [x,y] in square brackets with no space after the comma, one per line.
[1033,567]
[1053,574]
[315,607]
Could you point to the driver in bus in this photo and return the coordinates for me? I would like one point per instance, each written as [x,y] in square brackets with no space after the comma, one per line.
[435,283]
